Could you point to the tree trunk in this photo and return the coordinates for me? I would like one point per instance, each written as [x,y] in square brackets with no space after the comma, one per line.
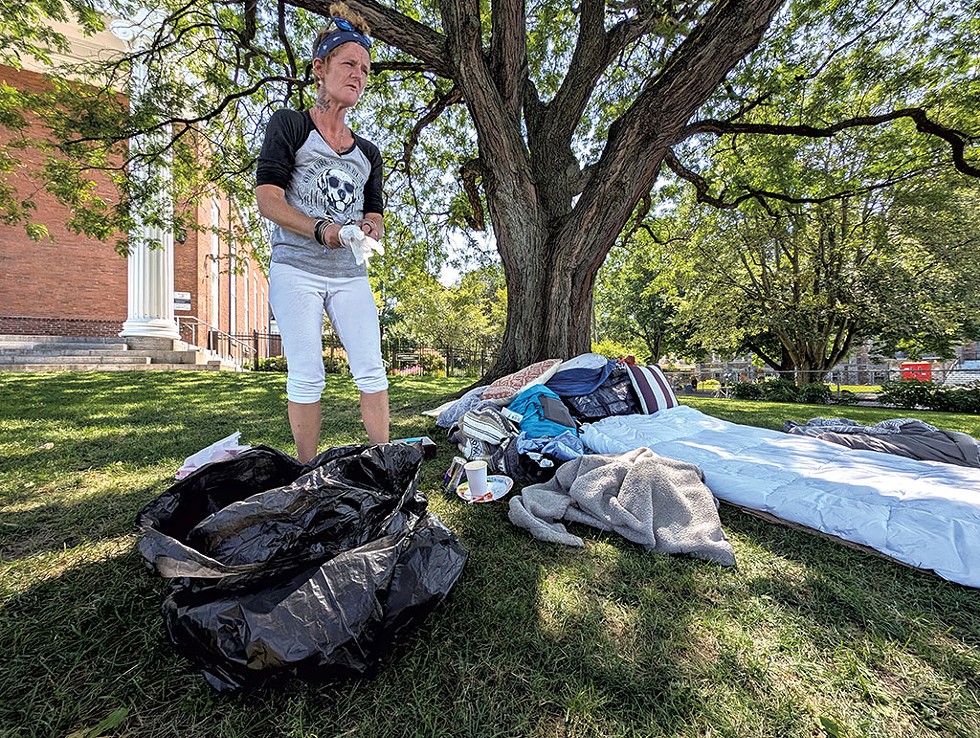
[551,244]
[549,302]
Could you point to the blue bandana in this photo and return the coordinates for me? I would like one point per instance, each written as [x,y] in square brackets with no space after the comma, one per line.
[344,33]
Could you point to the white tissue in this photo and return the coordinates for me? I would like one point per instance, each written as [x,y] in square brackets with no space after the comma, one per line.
[361,244]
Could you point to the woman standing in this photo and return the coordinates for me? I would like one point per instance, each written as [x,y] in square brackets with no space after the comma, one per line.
[315,176]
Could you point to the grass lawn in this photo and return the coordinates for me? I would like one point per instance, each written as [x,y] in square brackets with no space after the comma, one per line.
[804,638]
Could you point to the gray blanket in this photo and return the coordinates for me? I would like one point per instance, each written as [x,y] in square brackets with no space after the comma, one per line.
[660,503]
[900,436]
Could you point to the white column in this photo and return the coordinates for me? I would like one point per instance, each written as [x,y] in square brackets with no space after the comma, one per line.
[151,286]
[151,249]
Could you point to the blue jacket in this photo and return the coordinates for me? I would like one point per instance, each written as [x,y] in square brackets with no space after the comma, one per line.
[534,424]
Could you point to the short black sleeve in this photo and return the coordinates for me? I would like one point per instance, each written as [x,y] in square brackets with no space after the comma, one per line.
[373,195]
[286,133]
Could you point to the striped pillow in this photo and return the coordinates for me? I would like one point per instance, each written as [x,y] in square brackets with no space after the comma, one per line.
[652,388]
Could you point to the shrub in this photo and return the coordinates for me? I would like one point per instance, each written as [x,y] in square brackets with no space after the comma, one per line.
[433,362]
[815,393]
[746,391]
[956,399]
[336,365]
[908,393]
[779,390]
[709,385]
[272,364]
[408,371]
[844,397]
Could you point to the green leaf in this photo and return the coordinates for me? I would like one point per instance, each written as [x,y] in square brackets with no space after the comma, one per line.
[831,728]
[113,720]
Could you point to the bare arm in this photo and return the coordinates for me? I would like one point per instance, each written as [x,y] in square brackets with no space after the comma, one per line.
[272,205]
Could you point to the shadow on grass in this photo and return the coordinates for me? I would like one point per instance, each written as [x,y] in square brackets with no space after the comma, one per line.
[57,526]
[912,636]
[535,640]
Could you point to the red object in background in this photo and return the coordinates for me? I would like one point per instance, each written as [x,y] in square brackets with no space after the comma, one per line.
[921,370]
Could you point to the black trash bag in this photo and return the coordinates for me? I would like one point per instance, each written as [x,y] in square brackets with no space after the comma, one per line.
[345,501]
[166,521]
[316,575]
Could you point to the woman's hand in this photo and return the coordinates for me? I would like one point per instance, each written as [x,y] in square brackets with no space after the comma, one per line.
[371,225]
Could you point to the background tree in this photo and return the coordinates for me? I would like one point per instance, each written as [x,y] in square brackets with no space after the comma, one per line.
[809,240]
[557,120]
[467,315]
[800,285]
[636,301]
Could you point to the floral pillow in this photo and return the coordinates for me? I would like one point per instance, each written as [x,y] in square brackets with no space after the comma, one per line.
[507,388]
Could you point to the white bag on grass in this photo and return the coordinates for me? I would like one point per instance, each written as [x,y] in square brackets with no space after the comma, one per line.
[226,448]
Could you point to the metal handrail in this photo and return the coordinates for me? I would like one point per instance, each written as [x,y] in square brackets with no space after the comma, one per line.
[216,333]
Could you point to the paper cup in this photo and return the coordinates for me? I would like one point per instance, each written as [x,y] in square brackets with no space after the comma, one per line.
[476,477]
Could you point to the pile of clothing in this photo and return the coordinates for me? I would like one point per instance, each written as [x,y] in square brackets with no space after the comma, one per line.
[527,424]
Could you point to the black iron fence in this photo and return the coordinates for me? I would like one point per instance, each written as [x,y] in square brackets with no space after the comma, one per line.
[245,349]
[408,357]
[401,356]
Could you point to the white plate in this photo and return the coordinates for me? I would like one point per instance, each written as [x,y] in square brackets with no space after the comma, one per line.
[497,487]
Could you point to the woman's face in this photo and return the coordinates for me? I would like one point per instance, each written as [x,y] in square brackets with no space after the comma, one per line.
[344,75]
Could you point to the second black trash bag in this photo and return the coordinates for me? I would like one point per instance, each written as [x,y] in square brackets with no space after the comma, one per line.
[327,622]
[317,575]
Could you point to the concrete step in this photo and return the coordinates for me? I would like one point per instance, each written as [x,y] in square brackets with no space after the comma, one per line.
[209,367]
[178,357]
[32,358]
[71,353]
[51,349]
[51,346]
[16,337]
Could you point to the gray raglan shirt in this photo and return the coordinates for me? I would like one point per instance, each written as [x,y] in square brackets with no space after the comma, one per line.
[321,183]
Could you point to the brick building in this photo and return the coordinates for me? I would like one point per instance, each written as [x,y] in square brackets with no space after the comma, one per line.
[199,289]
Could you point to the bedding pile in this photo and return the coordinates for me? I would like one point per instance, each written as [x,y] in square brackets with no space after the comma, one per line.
[900,436]
[917,503]
[923,513]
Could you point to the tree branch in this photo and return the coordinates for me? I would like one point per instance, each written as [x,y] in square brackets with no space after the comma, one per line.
[394,28]
[185,123]
[762,354]
[250,8]
[633,154]
[507,166]
[595,50]
[508,51]
[470,172]
[284,40]
[762,196]
[399,66]
[957,140]
[435,108]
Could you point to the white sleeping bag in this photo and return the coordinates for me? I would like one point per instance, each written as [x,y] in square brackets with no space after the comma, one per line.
[923,513]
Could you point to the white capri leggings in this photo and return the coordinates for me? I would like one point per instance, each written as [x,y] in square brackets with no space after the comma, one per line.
[298,300]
